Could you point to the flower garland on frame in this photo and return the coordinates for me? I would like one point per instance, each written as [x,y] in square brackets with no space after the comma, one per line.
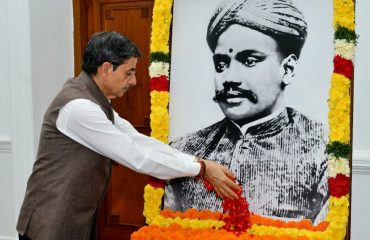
[194,224]
[159,69]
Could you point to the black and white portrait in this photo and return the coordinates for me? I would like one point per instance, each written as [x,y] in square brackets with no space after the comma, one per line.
[249,88]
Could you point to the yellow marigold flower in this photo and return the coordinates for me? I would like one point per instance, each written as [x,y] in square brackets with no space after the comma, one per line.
[152,202]
[159,115]
[339,108]
[162,17]
[344,14]
[337,217]
[159,98]
[294,232]
[187,223]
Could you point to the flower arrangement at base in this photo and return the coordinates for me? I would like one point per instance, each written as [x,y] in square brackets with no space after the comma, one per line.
[204,224]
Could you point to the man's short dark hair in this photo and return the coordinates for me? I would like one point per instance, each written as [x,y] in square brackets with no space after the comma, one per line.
[110,47]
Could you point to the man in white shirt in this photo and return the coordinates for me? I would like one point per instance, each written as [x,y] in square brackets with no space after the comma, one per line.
[80,136]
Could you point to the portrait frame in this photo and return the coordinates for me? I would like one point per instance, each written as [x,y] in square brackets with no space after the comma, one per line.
[206,223]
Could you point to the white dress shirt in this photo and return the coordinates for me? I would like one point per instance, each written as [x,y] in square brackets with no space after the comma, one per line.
[86,123]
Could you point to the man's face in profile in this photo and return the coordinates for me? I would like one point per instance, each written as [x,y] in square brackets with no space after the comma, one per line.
[248,73]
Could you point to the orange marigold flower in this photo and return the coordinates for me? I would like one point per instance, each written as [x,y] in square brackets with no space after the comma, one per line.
[305,224]
[279,223]
[303,238]
[322,226]
[191,213]
[287,238]
[175,227]
[168,213]
[207,214]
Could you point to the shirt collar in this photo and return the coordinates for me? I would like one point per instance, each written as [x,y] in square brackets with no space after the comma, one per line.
[270,124]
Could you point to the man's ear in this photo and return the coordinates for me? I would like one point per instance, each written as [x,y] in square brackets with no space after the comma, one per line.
[288,66]
[104,69]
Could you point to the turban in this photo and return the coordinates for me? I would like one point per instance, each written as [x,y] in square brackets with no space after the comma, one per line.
[272,17]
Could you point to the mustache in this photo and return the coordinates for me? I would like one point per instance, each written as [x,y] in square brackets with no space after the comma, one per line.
[234,92]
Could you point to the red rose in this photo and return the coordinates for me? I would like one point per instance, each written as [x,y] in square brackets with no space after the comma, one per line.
[156,183]
[343,66]
[159,83]
[339,186]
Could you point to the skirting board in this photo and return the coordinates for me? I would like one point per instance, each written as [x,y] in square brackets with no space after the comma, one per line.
[7,238]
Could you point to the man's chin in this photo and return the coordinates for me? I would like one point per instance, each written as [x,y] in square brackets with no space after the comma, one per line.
[122,93]
[238,113]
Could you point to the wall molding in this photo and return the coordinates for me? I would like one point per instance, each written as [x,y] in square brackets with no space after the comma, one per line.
[5,146]
[7,238]
[361,162]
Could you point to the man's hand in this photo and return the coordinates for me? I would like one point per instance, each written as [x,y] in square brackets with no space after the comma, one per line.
[219,177]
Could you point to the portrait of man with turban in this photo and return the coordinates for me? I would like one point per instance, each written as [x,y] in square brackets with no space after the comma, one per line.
[277,153]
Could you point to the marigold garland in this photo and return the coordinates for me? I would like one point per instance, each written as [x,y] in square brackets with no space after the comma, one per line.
[159,69]
[204,224]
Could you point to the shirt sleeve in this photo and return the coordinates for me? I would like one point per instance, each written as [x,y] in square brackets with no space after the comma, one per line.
[85,122]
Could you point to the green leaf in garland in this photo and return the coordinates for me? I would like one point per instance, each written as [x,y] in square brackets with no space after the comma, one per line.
[345,33]
[159,57]
[338,149]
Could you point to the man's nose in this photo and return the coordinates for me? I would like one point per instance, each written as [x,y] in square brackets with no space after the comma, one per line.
[232,76]
[231,84]
[133,80]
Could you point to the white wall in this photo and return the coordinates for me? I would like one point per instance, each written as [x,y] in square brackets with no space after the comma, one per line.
[36,58]
[4,69]
[361,127]
[8,58]
[52,53]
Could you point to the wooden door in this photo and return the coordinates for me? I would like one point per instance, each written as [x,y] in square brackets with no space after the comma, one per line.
[122,209]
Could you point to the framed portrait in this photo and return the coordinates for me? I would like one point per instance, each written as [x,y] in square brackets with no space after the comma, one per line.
[289,147]
[192,69]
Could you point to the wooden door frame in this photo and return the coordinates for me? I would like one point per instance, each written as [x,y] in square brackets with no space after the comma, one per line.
[80,36]
[80,32]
